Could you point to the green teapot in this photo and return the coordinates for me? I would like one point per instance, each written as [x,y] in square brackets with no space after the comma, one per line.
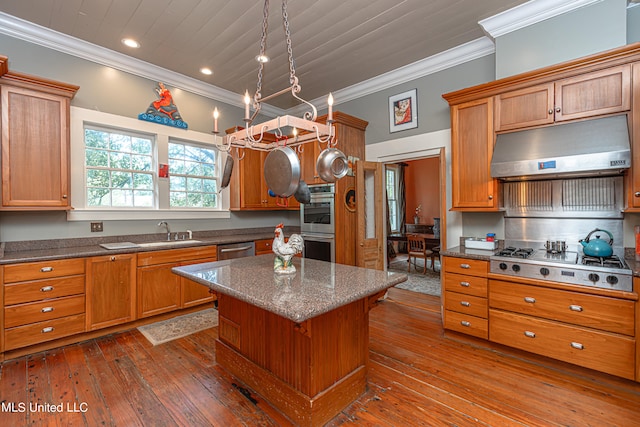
[597,247]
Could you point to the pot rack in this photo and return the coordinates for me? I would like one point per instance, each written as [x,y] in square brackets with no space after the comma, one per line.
[300,130]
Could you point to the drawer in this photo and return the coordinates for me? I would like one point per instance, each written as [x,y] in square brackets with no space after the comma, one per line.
[602,351]
[37,290]
[466,324]
[263,246]
[467,304]
[469,285]
[22,314]
[176,255]
[472,267]
[42,270]
[592,311]
[34,333]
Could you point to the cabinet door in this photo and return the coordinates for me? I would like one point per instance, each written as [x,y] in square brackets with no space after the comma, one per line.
[252,193]
[159,290]
[111,290]
[194,293]
[600,92]
[527,107]
[35,149]
[472,141]
[633,187]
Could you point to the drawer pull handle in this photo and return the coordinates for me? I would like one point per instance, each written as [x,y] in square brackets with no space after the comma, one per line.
[529,300]
[465,303]
[465,266]
[577,345]
[46,289]
[465,284]
[529,334]
[47,309]
[465,323]
[46,269]
[573,307]
[47,329]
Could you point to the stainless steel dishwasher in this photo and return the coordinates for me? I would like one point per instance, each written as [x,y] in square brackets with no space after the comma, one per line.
[236,250]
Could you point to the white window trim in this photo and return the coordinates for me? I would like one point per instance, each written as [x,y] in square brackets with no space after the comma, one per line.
[162,133]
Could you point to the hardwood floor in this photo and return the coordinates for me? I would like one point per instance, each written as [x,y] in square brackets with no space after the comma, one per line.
[418,376]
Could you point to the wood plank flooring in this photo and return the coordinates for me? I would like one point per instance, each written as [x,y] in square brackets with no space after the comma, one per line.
[419,376]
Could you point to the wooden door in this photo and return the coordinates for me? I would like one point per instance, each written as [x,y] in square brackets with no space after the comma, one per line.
[633,187]
[527,107]
[193,293]
[592,94]
[35,149]
[472,140]
[111,290]
[369,199]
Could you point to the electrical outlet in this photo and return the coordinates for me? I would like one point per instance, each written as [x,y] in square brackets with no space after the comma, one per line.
[96,227]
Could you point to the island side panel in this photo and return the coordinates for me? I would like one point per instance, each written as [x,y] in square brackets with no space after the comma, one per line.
[310,371]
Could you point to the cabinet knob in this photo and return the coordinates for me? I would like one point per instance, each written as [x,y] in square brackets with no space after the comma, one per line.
[113,258]
[490,197]
[46,289]
[465,284]
[637,194]
[47,329]
[46,269]
[465,323]
[557,109]
[529,334]
[574,307]
[529,300]
[47,309]
[465,303]
[577,345]
[465,266]
[64,196]
[551,111]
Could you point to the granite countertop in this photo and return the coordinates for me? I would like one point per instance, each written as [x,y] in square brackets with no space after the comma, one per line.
[46,250]
[317,287]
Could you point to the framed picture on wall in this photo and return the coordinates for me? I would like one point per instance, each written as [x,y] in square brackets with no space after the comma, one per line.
[403,111]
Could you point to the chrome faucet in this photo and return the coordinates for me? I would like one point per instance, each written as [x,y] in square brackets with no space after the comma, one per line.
[166,225]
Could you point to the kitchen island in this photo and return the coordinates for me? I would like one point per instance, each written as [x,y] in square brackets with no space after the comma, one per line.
[301,340]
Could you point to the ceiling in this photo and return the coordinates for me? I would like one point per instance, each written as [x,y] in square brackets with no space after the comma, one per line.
[336,43]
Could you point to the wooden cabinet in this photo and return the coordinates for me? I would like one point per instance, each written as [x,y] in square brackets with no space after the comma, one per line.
[264,246]
[35,143]
[472,140]
[600,92]
[465,296]
[633,178]
[111,290]
[160,290]
[248,188]
[593,331]
[43,301]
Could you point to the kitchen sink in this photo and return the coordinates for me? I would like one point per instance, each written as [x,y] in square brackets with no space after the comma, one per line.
[167,243]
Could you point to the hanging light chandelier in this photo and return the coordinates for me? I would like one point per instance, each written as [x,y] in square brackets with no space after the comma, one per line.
[297,130]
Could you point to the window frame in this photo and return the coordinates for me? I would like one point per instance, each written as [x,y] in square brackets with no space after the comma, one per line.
[162,134]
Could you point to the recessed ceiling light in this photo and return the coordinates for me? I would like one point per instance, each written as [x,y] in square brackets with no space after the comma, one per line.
[131,43]
[206,71]
[262,58]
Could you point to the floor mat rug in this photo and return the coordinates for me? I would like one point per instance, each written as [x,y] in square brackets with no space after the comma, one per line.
[180,326]
[428,283]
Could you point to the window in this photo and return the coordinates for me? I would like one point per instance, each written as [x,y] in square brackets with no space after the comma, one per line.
[392,197]
[116,174]
[192,172]
[118,168]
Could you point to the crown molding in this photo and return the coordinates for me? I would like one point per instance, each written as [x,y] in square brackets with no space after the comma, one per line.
[458,55]
[36,34]
[529,13]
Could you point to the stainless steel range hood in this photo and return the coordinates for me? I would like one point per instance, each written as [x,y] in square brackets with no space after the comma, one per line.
[578,149]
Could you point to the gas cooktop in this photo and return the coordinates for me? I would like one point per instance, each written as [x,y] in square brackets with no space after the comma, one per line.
[569,267]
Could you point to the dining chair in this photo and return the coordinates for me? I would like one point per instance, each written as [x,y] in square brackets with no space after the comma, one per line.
[417,249]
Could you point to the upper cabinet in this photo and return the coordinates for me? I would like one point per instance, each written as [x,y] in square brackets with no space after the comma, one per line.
[35,143]
[591,94]
[472,140]
[633,182]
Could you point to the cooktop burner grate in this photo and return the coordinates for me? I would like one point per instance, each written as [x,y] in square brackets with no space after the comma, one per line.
[513,252]
[613,261]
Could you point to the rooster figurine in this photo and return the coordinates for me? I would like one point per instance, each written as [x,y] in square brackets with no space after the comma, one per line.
[285,251]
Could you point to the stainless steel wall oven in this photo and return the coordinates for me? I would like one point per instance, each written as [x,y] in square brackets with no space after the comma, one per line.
[317,223]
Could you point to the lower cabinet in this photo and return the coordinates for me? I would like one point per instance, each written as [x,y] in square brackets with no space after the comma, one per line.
[594,331]
[111,290]
[465,296]
[160,290]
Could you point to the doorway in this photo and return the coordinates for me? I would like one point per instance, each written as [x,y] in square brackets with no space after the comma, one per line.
[414,205]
